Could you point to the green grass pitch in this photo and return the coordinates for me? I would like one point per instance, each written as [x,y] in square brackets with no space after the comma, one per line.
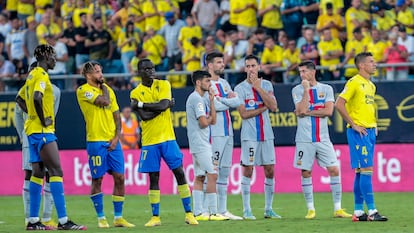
[399,207]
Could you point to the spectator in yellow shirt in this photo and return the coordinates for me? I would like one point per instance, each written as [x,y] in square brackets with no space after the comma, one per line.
[80,8]
[405,16]
[136,14]
[291,61]
[155,47]
[377,47]
[47,28]
[354,17]
[271,58]
[177,80]
[330,50]
[187,32]
[128,42]
[99,8]
[192,56]
[121,16]
[246,18]
[330,21]
[271,19]
[353,47]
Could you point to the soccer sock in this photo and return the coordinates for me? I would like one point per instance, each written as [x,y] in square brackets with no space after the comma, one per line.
[336,189]
[97,200]
[212,202]
[118,202]
[56,188]
[307,189]
[269,190]
[185,196]
[366,189]
[154,198]
[47,203]
[35,189]
[245,188]
[204,204]
[358,198]
[222,183]
[26,199]
[198,198]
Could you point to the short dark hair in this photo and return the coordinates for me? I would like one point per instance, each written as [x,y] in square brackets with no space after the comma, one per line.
[210,57]
[198,75]
[43,51]
[142,61]
[308,64]
[250,57]
[360,57]
[88,67]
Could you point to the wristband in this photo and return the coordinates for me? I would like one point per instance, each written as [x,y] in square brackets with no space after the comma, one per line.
[140,104]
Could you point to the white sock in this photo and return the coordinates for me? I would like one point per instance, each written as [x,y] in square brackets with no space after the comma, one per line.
[48,202]
[269,189]
[26,199]
[198,198]
[371,212]
[358,212]
[245,187]
[222,185]
[307,189]
[63,220]
[212,202]
[336,188]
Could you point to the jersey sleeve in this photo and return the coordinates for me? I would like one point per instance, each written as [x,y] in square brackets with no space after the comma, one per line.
[329,94]
[40,83]
[297,95]
[165,90]
[85,94]
[348,90]
[199,107]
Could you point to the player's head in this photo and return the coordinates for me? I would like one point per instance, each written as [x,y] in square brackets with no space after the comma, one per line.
[201,79]
[92,71]
[45,54]
[146,69]
[215,63]
[251,64]
[307,70]
[365,62]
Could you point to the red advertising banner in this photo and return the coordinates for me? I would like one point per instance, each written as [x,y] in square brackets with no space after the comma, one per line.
[393,164]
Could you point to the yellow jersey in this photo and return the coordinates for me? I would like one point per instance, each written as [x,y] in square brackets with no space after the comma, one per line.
[177,80]
[325,47]
[290,58]
[358,47]
[337,4]
[247,17]
[40,4]
[151,21]
[135,9]
[272,56]
[38,80]
[160,128]
[25,8]
[354,14]
[325,19]
[11,5]
[193,52]
[385,23]
[100,123]
[154,47]
[406,18]
[131,46]
[102,10]
[359,94]
[233,17]
[42,30]
[271,19]
[186,33]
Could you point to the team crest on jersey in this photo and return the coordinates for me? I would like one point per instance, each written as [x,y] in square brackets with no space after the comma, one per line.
[251,103]
[321,95]
[42,85]
[200,107]
[88,95]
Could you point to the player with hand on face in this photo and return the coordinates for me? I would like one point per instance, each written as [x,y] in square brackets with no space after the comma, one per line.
[100,110]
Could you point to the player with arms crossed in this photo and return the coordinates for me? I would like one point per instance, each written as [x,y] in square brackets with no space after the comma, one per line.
[256,99]
[356,105]
[152,100]
[314,103]
[100,110]
[222,130]
[201,114]
[40,129]
[20,116]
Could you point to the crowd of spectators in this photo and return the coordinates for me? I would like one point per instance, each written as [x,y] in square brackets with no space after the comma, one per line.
[176,35]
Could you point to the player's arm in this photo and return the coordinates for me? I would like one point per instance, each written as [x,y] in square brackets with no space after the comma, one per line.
[143,114]
[114,141]
[232,100]
[246,114]
[38,104]
[327,111]
[340,106]
[22,103]
[268,98]
[103,100]
[205,121]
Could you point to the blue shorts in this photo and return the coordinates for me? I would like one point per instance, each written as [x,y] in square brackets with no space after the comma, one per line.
[101,160]
[36,142]
[150,159]
[361,148]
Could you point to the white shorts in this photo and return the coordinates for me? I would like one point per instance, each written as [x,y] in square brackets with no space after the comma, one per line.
[222,150]
[257,153]
[26,165]
[307,152]
[203,163]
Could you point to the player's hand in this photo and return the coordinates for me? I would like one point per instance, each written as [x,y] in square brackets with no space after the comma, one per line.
[211,94]
[306,84]
[172,102]
[361,130]
[256,81]
[231,94]
[112,144]
[48,121]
